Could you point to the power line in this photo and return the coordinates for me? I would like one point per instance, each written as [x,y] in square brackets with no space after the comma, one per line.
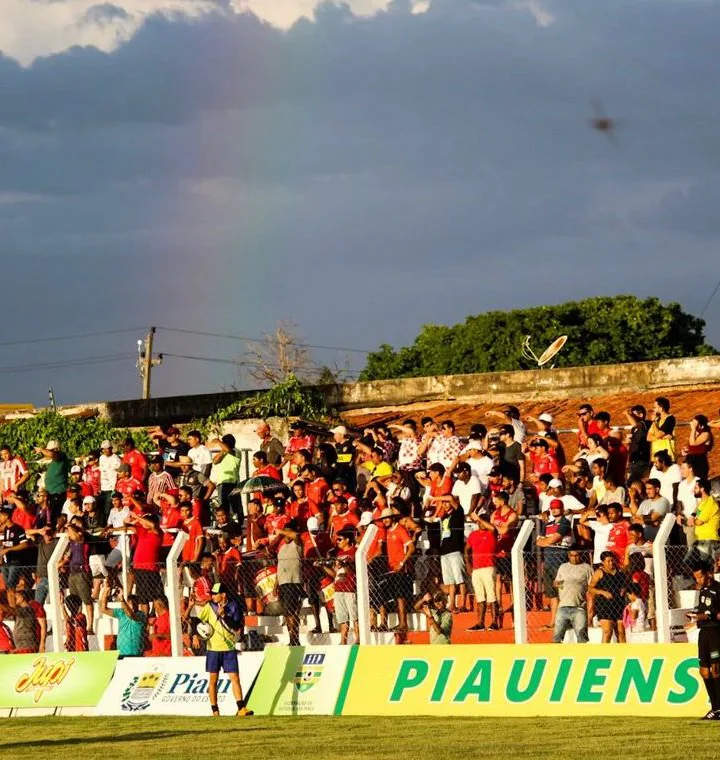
[234,362]
[82,362]
[710,300]
[260,340]
[77,336]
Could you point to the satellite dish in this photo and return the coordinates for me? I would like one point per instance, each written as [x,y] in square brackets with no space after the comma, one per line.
[547,354]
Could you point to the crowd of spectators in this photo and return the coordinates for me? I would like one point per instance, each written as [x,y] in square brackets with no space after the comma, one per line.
[446,510]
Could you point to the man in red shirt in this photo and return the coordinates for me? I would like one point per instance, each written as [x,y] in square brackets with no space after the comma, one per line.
[127,485]
[136,460]
[146,559]
[316,488]
[24,513]
[343,573]
[260,463]
[339,488]
[13,472]
[586,425]
[195,544]
[618,537]
[480,563]
[341,517]
[170,518]
[400,548]
[160,643]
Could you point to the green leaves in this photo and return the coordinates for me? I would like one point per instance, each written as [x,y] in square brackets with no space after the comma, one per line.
[604,330]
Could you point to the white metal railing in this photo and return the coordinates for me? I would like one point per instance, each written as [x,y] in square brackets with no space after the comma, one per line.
[363,587]
[662,601]
[518,581]
[56,601]
[174,593]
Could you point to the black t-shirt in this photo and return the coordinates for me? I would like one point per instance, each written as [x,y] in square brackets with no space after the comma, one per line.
[172,453]
[452,532]
[14,535]
[709,603]
[344,468]
[512,456]
[639,449]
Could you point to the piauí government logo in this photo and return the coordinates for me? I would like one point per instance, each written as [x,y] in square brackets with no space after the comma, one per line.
[140,691]
[310,672]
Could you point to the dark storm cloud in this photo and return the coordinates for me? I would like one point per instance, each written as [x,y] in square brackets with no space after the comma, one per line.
[221,173]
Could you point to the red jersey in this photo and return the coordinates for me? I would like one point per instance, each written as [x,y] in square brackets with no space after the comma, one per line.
[137,463]
[170,519]
[161,626]
[298,510]
[195,535]
[398,541]
[643,580]
[201,589]
[338,522]
[483,545]
[545,464]
[127,487]
[254,531]
[316,493]
[318,545]
[275,522]
[376,545]
[269,471]
[25,518]
[91,477]
[76,633]
[228,562]
[10,472]
[505,542]
[618,540]
[300,442]
[147,551]
[345,575]
[442,487]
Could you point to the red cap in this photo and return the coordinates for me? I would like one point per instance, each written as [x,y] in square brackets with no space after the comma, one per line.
[557,504]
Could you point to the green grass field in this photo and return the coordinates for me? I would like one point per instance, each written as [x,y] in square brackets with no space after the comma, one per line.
[143,738]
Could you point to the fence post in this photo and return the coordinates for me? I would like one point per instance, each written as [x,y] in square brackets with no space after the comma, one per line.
[363,587]
[662,602]
[124,544]
[56,612]
[174,593]
[518,581]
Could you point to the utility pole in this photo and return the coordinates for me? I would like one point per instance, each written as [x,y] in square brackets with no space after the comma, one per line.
[146,361]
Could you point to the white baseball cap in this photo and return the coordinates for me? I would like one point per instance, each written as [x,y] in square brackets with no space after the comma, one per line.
[473,446]
[546,417]
[313,524]
[339,430]
[89,500]
[106,444]
[53,446]
[555,483]
[366,518]
[75,470]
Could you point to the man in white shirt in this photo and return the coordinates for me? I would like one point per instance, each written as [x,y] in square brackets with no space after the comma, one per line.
[466,490]
[596,530]
[199,453]
[108,462]
[480,463]
[556,490]
[687,500]
[668,474]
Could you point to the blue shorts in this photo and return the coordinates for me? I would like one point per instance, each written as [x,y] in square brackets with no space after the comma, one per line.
[225,661]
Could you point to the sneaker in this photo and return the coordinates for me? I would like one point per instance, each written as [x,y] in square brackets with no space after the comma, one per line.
[495,626]
[244,712]
[476,627]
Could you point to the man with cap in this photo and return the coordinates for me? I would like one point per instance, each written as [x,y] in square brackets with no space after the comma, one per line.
[160,480]
[399,581]
[126,484]
[189,477]
[56,476]
[171,446]
[224,616]
[108,462]
[345,450]
[556,490]
[555,540]
[76,479]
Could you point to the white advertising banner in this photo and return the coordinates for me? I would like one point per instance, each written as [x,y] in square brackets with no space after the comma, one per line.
[172,686]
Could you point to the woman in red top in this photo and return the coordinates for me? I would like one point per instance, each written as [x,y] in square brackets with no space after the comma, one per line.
[700,444]
[146,559]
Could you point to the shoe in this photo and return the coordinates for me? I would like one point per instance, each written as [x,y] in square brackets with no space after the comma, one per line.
[711,715]
[244,712]
[476,627]
[382,629]
[494,627]
[316,630]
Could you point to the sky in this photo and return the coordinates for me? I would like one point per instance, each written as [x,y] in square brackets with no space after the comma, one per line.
[360,168]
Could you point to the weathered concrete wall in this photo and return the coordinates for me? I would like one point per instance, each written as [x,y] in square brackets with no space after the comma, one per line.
[496,387]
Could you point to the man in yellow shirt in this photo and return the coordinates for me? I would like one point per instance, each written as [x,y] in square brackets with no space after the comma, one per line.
[707,515]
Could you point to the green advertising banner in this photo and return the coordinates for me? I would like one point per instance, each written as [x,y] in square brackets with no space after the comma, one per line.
[302,680]
[75,679]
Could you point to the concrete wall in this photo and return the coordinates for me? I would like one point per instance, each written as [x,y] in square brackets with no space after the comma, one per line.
[496,387]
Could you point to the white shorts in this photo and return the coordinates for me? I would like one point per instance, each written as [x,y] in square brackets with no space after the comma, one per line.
[453,569]
[346,610]
[483,582]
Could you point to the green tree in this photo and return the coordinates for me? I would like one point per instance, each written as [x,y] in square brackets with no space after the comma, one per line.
[604,330]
